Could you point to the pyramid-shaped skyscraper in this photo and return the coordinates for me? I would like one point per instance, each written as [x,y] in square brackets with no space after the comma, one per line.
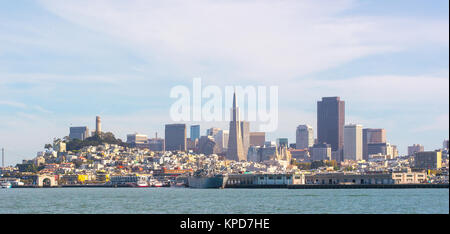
[235,147]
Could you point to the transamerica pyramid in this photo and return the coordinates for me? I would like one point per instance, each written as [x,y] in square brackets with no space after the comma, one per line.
[235,147]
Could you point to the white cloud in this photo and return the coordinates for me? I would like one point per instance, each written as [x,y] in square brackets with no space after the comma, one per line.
[380,91]
[13,104]
[258,40]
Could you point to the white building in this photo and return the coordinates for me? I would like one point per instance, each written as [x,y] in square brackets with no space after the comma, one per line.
[353,142]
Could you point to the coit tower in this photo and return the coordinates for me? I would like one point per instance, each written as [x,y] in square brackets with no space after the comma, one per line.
[98,125]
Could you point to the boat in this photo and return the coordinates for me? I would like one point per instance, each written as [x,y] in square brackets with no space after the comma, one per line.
[5,184]
[207,179]
[157,184]
[177,185]
[142,184]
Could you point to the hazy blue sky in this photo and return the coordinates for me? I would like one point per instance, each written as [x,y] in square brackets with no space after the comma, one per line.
[64,62]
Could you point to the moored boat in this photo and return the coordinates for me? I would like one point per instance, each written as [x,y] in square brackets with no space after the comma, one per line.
[5,184]
[207,181]
[142,184]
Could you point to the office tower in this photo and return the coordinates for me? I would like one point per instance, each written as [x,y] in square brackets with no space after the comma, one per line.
[320,152]
[445,145]
[138,140]
[330,124]
[245,131]
[221,139]
[195,132]
[98,125]
[415,148]
[156,144]
[282,142]
[212,131]
[428,159]
[253,154]
[175,137]
[79,133]
[372,136]
[235,149]
[257,138]
[304,137]
[207,145]
[377,148]
[353,142]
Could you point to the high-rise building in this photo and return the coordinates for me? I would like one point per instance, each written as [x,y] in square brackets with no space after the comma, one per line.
[221,139]
[79,133]
[207,145]
[235,149]
[330,123]
[175,137]
[195,132]
[415,148]
[212,131]
[282,142]
[372,136]
[445,145]
[245,131]
[353,142]
[304,137]
[257,138]
[98,125]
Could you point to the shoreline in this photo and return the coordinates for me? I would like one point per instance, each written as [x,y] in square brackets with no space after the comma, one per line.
[276,186]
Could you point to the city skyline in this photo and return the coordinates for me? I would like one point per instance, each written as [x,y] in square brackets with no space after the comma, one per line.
[377,56]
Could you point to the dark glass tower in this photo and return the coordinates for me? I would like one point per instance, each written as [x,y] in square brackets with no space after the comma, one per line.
[330,123]
[195,132]
[175,137]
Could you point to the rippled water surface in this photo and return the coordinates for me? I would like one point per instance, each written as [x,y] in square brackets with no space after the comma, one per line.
[246,201]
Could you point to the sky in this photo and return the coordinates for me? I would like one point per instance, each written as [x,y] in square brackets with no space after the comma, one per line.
[64,62]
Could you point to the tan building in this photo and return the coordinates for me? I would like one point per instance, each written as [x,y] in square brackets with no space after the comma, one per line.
[349,178]
[257,138]
[409,177]
[415,148]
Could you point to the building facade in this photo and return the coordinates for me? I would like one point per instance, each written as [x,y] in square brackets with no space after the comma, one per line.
[320,152]
[353,142]
[372,136]
[175,137]
[428,160]
[79,133]
[257,138]
[235,147]
[330,124]
[415,148]
[137,140]
[304,137]
[195,132]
